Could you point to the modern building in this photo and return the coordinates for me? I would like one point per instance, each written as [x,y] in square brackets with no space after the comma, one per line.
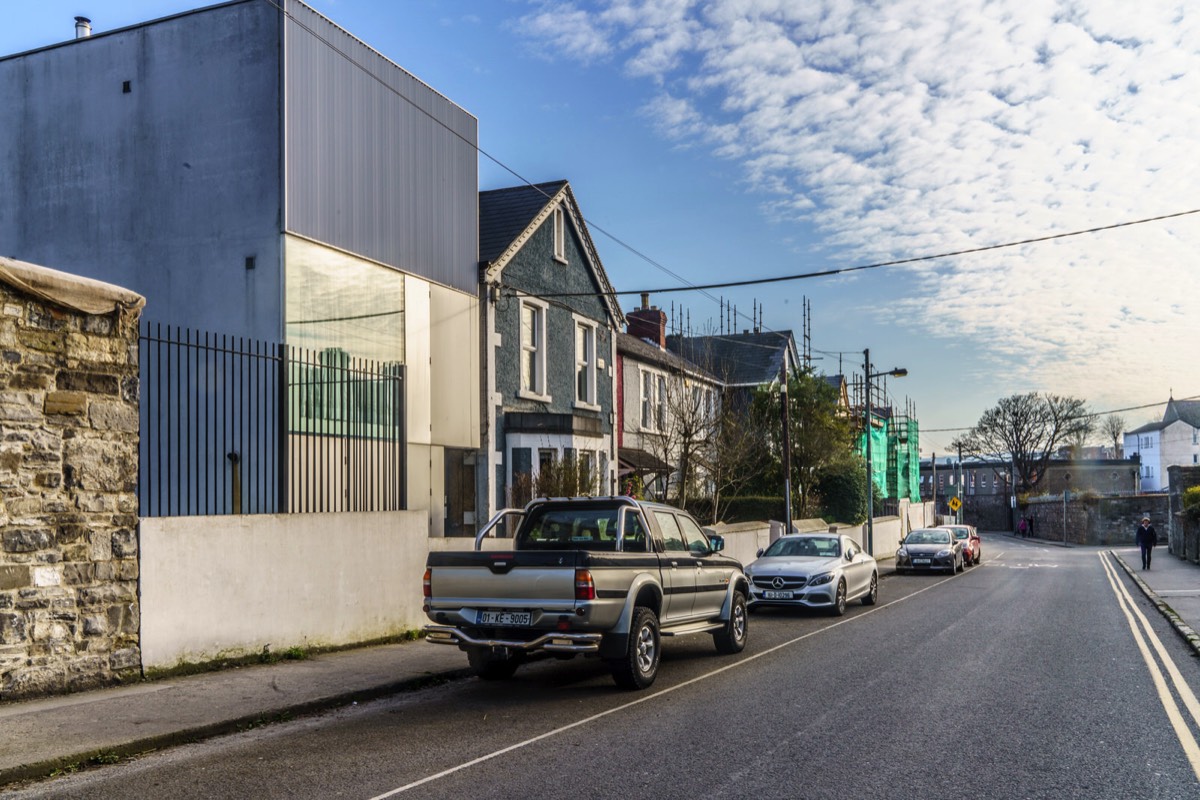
[1172,441]
[254,170]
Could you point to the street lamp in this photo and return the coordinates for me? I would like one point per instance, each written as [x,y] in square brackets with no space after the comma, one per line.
[895,372]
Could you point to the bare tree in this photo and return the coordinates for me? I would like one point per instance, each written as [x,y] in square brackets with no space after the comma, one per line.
[685,421]
[734,457]
[1077,439]
[1113,427]
[1025,430]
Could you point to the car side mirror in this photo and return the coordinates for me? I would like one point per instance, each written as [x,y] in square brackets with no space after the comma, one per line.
[716,542]
[759,553]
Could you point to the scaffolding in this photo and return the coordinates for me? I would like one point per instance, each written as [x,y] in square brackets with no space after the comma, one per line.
[895,442]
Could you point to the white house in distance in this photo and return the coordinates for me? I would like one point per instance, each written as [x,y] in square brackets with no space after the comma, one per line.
[1175,440]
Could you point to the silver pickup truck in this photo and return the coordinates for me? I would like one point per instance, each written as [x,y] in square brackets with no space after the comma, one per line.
[605,577]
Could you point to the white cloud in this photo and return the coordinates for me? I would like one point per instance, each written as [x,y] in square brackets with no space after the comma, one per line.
[912,127]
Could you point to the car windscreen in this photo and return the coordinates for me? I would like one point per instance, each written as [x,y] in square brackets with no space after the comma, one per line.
[928,537]
[579,528]
[806,547]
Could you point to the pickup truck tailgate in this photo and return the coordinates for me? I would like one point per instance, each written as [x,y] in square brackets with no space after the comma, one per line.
[502,579]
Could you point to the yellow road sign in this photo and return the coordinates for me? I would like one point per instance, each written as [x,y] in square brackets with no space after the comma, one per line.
[955,504]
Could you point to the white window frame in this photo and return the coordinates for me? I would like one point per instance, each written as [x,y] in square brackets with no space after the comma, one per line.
[558,220]
[661,406]
[649,403]
[587,363]
[539,391]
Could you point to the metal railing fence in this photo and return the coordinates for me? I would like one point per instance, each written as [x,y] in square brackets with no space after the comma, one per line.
[232,425]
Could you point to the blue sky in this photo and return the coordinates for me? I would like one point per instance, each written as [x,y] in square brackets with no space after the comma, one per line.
[735,139]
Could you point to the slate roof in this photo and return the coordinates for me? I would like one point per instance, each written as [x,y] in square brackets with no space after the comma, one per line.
[505,213]
[1148,427]
[739,359]
[1186,410]
[648,353]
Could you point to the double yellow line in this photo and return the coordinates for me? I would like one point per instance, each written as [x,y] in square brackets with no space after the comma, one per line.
[1143,634]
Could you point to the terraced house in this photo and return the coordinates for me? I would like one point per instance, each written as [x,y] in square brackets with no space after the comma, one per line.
[548,319]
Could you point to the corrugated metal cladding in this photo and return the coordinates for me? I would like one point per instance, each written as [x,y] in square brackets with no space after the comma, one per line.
[367,169]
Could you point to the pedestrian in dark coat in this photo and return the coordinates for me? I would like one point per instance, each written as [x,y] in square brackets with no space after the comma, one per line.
[1146,538]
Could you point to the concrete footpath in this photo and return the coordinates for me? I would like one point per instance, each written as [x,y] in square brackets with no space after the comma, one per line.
[39,737]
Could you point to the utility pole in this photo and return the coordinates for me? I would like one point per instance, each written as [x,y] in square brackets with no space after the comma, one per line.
[867,433]
[787,446]
[962,489]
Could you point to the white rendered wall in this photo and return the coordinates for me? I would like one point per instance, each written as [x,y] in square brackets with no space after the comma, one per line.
[214,587]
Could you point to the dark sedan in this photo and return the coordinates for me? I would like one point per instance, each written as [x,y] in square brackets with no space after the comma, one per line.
[930,549]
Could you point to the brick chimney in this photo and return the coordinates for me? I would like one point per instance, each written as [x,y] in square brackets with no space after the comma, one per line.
[648,322]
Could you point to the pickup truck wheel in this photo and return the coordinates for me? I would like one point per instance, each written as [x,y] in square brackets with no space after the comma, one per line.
[489,668]
[732,638]
[638,668]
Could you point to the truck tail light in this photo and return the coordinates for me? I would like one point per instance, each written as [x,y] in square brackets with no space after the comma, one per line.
[585,587]
[427,591]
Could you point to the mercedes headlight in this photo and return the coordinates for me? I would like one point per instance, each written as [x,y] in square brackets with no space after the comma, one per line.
[820,580]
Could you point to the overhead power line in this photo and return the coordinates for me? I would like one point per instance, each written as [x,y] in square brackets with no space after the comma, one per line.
[1079,416]
[894,263]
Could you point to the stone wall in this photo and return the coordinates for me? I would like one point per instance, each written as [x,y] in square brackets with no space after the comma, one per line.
[69,613]
[1181,533]
[1095,520]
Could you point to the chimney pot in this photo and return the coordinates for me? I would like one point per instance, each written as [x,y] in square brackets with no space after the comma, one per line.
[645,299]
[83,27]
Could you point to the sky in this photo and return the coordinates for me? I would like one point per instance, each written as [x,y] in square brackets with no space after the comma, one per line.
[736,139]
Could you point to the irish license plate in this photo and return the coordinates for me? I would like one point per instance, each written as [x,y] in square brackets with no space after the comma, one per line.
[505,618]
[777,595]
[922,561]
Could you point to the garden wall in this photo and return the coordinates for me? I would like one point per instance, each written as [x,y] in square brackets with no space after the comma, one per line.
[69,614]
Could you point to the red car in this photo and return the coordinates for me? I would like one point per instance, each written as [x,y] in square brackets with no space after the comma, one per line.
[972,544]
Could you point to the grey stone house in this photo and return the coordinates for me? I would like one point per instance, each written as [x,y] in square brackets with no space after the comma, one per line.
[548,319]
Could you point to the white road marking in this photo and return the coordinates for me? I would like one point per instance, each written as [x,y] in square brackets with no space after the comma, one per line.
[1190,748]
[519,745]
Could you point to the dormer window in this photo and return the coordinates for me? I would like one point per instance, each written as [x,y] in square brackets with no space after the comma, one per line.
[560,235]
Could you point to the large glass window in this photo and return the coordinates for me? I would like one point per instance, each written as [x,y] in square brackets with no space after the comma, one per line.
[335,301]
[347,315]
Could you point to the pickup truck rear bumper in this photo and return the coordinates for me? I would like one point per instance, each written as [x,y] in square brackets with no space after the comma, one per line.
[551,642]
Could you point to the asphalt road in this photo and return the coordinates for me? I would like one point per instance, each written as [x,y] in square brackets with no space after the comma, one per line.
[1020,678]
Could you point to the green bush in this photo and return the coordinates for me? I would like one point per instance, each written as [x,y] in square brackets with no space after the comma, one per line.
[842,490]
[740,509]
[1191,503]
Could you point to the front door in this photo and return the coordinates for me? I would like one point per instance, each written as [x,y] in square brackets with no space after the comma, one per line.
[460,492]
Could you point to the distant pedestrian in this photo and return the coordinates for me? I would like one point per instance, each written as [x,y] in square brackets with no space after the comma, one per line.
[1022,528]
[1146,538]
[1031,525]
